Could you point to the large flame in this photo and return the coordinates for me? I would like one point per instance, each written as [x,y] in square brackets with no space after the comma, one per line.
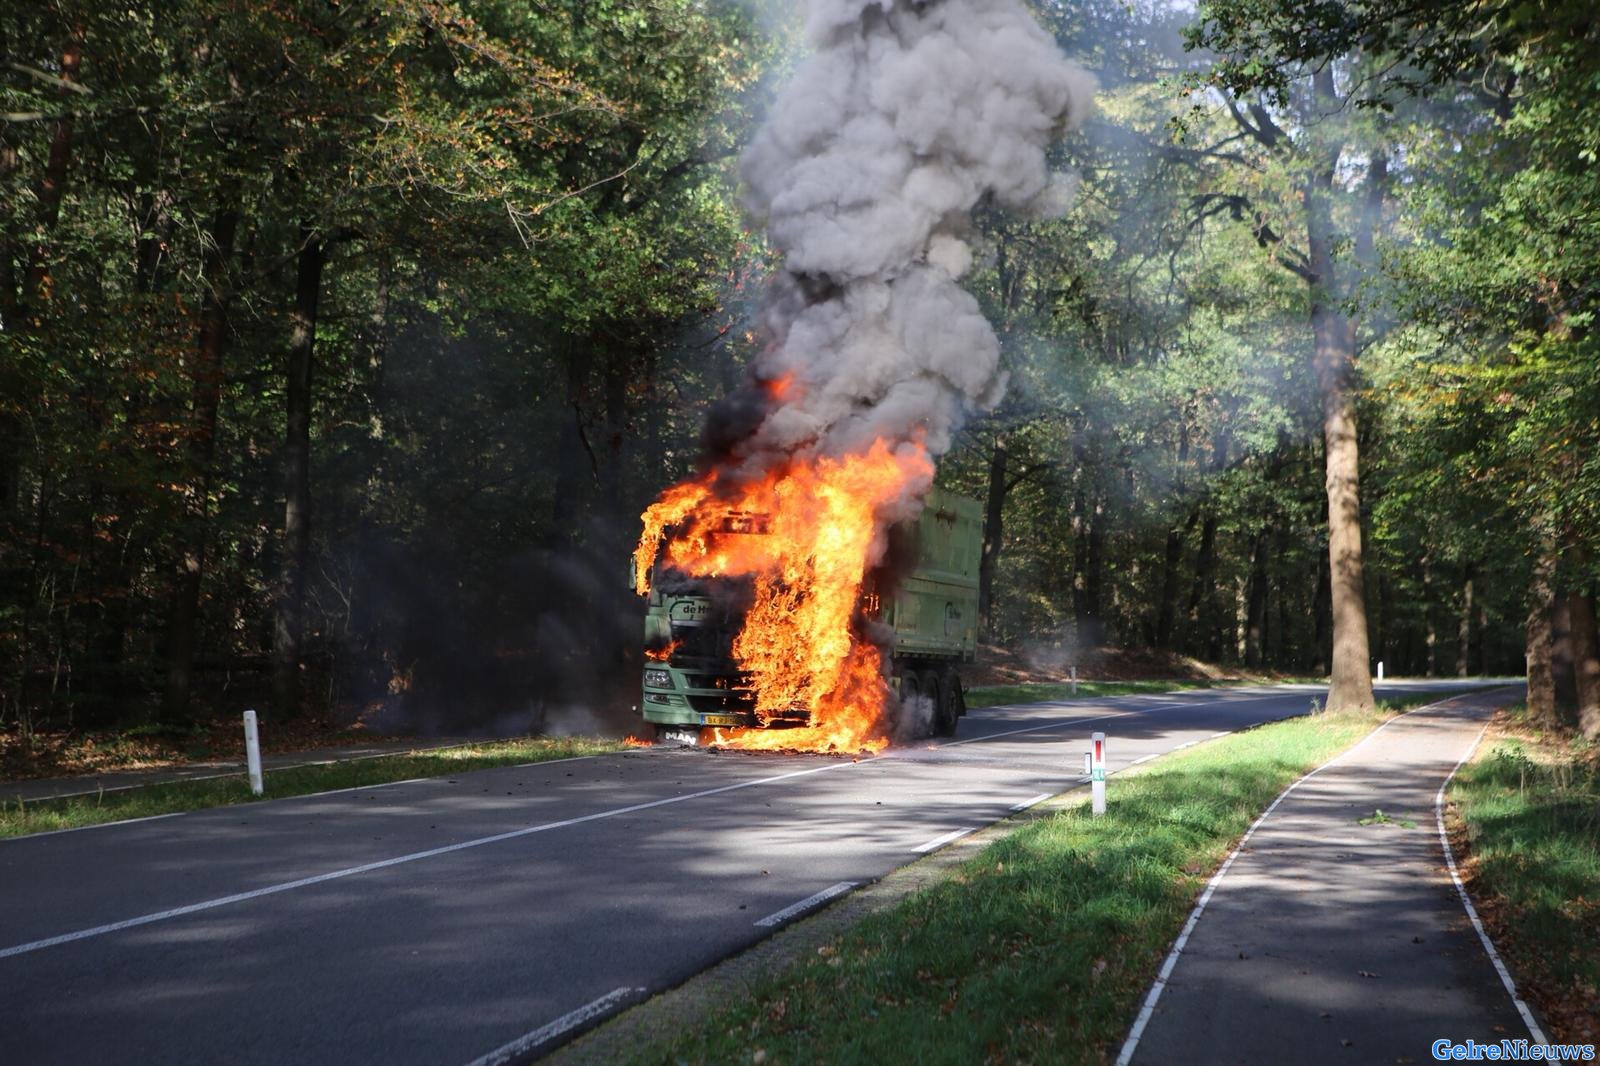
[821,526]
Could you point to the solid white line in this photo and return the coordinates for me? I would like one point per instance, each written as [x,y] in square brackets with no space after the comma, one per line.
[1031,801]
[352,788]
[1035,729]
[81,828]
[1103,717]
[832,892]
[564,1024]
[1145,758]
[240,897]
[1149,1008]
[941,841]
[1466,900]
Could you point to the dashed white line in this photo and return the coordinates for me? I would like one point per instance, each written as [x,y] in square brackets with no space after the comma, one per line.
[1466,900]
[940,841]
[1144,758]
[811,901]
[1031,801]
[565,1024]
[332,875]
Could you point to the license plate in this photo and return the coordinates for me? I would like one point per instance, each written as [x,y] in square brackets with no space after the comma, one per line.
[719,719]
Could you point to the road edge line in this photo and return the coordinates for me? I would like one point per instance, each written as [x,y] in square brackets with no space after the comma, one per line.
[573,1019]
[1466,901]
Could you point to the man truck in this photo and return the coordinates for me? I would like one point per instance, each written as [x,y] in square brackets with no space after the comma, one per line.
[925,619]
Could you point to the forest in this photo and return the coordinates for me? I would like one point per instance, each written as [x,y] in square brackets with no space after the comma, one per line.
[343,342]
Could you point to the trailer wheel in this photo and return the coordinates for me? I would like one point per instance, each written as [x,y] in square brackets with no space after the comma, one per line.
[943,688]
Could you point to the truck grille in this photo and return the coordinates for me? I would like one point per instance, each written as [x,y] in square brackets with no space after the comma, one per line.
[731,703]
[705,642]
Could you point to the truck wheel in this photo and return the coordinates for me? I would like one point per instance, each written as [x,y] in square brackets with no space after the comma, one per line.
[932,687]
[910,689]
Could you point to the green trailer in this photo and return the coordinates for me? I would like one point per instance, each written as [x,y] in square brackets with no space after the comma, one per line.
[929,615]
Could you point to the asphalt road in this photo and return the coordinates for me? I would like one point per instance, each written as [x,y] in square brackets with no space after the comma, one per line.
[491,916]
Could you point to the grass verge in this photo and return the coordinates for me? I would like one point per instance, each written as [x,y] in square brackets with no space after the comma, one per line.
[1529,810]
[19,819]
[1037,949]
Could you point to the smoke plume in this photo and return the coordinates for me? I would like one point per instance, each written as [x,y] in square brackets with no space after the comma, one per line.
[904,116]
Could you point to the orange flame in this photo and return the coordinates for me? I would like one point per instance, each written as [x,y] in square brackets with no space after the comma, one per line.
[632,741]
[825,520]
[663,653]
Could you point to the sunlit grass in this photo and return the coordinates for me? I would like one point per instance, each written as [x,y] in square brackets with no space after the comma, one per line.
[1530,806]
[17,818]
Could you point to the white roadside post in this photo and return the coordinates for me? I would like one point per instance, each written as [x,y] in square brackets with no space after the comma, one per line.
[1097,775]
[1074,680]
[252,751]
[1380,669]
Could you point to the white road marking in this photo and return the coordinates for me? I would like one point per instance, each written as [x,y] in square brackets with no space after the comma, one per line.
[1031,801]
[332,875]
[815,900]
[564,1024]
[305,882]
[1144,758]
[1466,900]
[940,841]
[1224,733]
[1149,1008]
[1103,717]
[81,828]
[354,788]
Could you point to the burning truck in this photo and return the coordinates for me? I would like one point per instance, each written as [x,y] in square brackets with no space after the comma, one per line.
[808,589]
[916,609]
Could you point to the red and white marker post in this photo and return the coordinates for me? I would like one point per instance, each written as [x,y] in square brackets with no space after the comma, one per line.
[1097,775]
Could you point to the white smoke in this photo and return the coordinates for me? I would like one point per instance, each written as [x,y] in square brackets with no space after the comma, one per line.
[904,116]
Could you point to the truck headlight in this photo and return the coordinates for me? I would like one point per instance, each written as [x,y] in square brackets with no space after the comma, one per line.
[658,678]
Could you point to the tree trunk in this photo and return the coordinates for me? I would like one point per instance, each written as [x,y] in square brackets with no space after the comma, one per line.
[1094,585]
[289,632]
[1322,615]
[1350,687]
[1256,602]
[205,398]
[1166,616]
[1430,634]
[1539,638]
[1586,660]
[1334,360]
[9,162]
[1166,620]
[36,290]
[1464,628]
[993,531]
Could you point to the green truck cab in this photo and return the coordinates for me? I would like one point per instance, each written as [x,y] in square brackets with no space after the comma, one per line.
[927,611]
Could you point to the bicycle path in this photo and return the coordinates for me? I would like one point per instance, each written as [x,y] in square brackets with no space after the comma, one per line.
[1332,942]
